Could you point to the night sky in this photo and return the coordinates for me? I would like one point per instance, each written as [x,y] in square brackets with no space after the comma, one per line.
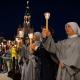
[62,11]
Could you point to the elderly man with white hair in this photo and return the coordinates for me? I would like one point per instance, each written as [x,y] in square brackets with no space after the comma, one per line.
[67,51]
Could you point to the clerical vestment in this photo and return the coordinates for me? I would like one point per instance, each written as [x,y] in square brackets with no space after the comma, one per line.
[68,53]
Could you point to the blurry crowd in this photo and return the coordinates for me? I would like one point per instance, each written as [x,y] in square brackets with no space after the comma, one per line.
[39,57]
[20,58]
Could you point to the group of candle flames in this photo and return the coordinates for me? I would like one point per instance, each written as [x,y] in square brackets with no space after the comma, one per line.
[21,35]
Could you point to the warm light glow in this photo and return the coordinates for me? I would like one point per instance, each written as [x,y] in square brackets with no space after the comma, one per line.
[2,44]
[47,15]
[15,45]
[16,39]
[9,41]
[30,35]
[21,34]
[27,2]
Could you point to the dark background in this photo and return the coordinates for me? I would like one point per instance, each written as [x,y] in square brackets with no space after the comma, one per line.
[62,11]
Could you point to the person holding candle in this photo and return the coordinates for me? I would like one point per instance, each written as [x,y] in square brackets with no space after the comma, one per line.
[47,16]
[67,51]
[28,69]
[47,64]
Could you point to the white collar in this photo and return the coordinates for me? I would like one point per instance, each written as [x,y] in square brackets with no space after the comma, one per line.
[73,36]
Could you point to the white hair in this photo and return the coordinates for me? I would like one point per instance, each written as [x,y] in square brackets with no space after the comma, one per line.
[38,34]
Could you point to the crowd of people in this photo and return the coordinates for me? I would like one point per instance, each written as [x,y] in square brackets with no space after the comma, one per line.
[39,57]
[21,62]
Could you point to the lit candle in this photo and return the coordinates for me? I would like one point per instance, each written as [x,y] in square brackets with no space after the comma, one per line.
[2,44]
[21,34]
[47,16]
[9,42]
[15,46]
[30,37]
[18,41]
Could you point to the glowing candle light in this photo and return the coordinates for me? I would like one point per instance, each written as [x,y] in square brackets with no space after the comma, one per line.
[47,16]
[30,37]
[21,34]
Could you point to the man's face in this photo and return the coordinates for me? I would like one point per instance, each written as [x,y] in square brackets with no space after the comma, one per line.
[44,32]
[69,30]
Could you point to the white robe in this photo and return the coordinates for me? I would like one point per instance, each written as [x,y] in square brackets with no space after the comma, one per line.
[68,52]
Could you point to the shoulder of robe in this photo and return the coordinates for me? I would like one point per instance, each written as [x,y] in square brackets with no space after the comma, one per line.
[62,41]
[78,39]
